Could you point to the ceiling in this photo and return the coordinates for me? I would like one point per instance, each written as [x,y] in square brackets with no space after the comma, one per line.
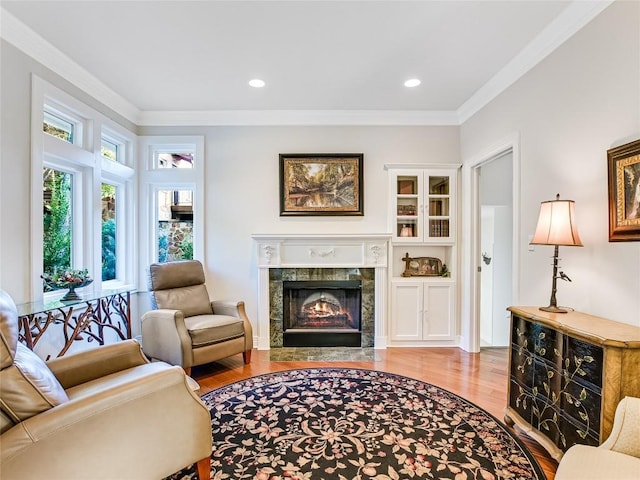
[198,56]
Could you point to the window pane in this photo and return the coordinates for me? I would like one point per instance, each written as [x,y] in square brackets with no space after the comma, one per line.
[174,160]
[58,127]
[109,150]
[175,225]
[108,196]
[58,221]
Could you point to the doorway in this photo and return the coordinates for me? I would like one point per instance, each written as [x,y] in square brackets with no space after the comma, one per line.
[494,258]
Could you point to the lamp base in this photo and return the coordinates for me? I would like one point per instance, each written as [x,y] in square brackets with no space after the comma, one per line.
[553,309]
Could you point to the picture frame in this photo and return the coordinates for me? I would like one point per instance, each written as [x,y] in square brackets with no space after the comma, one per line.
[422,266]
[624,192]
[321,184]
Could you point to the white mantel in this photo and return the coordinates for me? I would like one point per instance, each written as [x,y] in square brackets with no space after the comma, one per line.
[322,251]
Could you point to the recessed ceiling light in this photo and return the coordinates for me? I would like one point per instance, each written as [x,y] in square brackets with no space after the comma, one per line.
[412,82]
[257,83]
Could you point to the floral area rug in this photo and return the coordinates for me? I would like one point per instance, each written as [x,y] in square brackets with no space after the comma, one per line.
[336,423]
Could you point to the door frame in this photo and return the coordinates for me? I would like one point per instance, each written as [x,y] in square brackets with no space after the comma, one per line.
[471,255]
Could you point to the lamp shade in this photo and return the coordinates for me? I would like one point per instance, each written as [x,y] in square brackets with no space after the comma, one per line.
[556,224]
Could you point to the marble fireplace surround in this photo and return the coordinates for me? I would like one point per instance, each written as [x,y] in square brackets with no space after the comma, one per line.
[331,251]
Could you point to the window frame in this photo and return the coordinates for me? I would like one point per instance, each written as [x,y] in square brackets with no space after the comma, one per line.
[152,180]
[83,158]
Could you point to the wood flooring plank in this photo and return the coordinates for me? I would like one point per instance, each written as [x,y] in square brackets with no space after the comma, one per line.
[480,378]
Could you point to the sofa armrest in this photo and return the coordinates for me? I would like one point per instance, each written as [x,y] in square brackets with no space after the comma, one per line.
[235,309]
[82,437]
[625,433]
[77,368]
[165,337]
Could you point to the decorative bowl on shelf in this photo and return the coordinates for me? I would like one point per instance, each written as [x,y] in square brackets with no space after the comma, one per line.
[70,279]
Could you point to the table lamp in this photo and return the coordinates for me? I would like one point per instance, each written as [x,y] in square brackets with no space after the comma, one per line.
[556,226]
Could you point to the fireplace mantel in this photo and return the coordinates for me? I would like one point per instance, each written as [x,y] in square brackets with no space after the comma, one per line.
[322,251]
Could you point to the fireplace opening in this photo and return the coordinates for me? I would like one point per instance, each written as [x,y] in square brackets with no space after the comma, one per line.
[322,313]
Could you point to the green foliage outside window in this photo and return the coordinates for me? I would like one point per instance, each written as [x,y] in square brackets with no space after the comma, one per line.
[56,221]
[109,250]
[108,198]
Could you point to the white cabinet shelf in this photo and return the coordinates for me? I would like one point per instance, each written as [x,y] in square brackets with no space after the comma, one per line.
[422,222]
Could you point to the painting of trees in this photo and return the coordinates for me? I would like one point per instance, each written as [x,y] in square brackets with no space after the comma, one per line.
[329,185]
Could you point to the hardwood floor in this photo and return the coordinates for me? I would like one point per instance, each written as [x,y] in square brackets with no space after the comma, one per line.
[480,378]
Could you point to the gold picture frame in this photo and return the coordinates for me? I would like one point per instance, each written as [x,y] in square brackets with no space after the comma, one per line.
[624,192]
[321,184]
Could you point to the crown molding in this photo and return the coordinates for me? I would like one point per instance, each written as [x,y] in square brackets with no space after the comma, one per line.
[570,21]
[22,37]
[297,118]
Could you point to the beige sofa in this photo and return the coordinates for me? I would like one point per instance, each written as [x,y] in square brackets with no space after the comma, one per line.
[618,458]
[106,413]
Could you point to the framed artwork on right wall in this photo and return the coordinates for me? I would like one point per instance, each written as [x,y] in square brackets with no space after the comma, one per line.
[624,192]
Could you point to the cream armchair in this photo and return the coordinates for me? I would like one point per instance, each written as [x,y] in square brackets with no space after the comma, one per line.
[105,413]
[187,328]
[617,458]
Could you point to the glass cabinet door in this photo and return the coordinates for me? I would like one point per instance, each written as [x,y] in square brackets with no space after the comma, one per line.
[408,204]
[438,201]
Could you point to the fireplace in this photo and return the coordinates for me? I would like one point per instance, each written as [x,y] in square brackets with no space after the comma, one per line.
[322,313]
[322,257]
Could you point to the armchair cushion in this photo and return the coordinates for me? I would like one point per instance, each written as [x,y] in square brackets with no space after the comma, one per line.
[209,329]
[28,386]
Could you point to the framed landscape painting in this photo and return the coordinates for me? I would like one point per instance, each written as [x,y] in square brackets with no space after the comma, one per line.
[321,184]
[624,192]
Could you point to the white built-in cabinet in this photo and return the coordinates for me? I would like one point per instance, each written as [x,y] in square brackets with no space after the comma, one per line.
[422,219]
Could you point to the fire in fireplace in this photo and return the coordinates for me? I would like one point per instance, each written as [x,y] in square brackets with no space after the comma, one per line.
[322,313]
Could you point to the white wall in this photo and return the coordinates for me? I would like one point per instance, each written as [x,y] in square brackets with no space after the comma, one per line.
[580,101]
[242,194]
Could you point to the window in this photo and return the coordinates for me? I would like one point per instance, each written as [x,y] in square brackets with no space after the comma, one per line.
[85,219]
[109,150]
[174,160]
[57,220]
[172,191]
[175,225]
[108,198]
[58,127]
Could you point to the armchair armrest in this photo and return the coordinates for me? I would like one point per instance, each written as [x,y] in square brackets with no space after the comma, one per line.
[165,337]
[235,309]
[154,408]
[626,428]
[229,307]
[74,369]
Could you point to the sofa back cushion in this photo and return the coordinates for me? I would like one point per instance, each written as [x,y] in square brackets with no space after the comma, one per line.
[28,386]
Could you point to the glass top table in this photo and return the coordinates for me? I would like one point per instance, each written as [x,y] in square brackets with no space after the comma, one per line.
[53,327]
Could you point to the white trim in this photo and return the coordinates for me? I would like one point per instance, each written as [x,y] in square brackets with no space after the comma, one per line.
[297,117]
[25,39]
[570,21]
[470,326]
